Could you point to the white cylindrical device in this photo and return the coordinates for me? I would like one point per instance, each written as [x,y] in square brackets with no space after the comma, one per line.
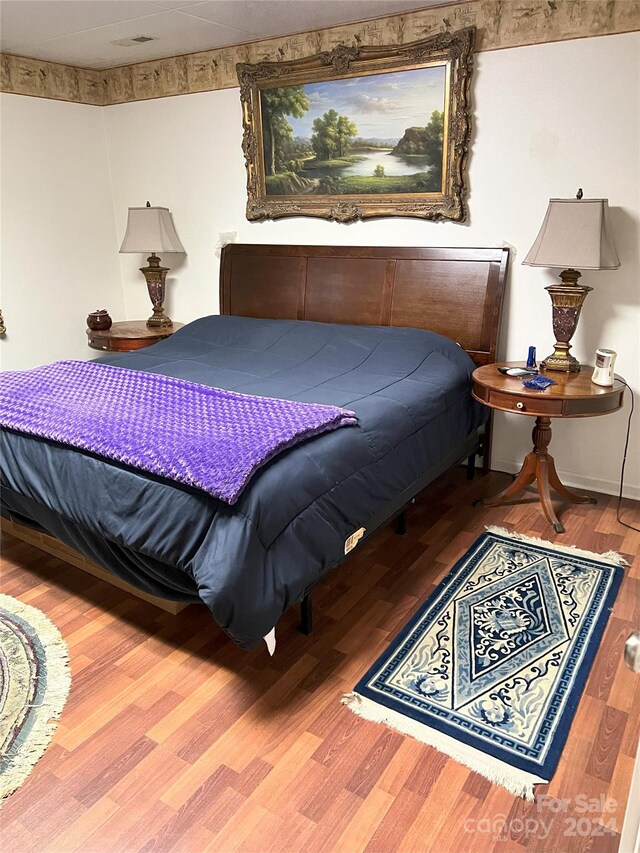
[605,361]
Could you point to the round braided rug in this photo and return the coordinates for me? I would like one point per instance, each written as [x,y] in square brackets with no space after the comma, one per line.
[34,684]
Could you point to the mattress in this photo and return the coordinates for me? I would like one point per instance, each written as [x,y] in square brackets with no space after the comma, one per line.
[410,390]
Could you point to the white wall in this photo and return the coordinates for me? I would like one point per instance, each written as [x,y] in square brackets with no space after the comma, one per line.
[58,233]
[547,119]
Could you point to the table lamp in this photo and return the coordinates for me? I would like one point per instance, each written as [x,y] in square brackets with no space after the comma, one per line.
[574,233]
[151,229]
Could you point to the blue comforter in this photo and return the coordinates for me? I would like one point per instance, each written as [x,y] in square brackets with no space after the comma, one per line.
[410,390]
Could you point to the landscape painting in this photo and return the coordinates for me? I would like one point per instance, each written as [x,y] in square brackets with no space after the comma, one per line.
[360,131]
[381,133]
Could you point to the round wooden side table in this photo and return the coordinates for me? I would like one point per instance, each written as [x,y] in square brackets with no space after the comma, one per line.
[129,335]
[574,396]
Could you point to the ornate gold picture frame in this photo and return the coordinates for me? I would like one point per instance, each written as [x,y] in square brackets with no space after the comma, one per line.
[359,132]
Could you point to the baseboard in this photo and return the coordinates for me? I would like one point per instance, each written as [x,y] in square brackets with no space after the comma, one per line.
[576,481]
[53,546]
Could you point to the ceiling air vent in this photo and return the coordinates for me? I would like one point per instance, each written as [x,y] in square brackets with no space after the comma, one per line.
[133,41]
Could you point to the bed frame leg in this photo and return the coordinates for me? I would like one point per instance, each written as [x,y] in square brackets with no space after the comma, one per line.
[471,466]
[486,444]
[306,615]
[401,523]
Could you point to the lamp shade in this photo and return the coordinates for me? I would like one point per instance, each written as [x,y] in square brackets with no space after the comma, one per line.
[150,229]
[575,234]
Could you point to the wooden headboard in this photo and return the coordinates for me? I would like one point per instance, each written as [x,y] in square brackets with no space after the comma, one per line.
[455,292]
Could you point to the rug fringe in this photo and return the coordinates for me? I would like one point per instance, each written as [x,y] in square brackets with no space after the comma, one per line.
[517,782]
[57,690]
[608,557]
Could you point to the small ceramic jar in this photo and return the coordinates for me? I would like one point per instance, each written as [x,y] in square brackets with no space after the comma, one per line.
[98,321]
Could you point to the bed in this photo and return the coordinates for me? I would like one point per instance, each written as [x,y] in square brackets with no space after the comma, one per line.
[392,334]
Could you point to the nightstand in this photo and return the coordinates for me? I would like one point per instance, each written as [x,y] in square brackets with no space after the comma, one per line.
[574,396]
[128,336]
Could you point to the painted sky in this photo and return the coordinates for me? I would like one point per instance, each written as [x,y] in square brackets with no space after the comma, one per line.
[381,105]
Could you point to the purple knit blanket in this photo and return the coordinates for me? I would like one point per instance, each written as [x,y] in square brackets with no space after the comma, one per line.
[204,437]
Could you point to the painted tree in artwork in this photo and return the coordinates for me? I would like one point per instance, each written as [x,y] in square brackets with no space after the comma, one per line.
[434,135]
[346,130]
[332,135]
[276,104]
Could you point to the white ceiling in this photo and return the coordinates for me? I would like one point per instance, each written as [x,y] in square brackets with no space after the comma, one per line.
[81,32]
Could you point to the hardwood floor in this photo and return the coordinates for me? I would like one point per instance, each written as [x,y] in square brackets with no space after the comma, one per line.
[175,740]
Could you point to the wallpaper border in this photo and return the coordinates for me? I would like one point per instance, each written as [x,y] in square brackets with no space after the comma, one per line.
[499,25]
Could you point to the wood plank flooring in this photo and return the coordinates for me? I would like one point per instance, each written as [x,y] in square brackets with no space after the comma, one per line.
[175,740]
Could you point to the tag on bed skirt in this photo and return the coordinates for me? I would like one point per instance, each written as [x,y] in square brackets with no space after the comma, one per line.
[352,541]
[270,640]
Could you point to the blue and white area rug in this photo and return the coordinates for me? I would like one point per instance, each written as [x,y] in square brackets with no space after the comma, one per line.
[491,668]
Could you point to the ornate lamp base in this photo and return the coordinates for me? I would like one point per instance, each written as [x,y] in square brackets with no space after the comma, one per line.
[155,276]
[566,299]
[561,359]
